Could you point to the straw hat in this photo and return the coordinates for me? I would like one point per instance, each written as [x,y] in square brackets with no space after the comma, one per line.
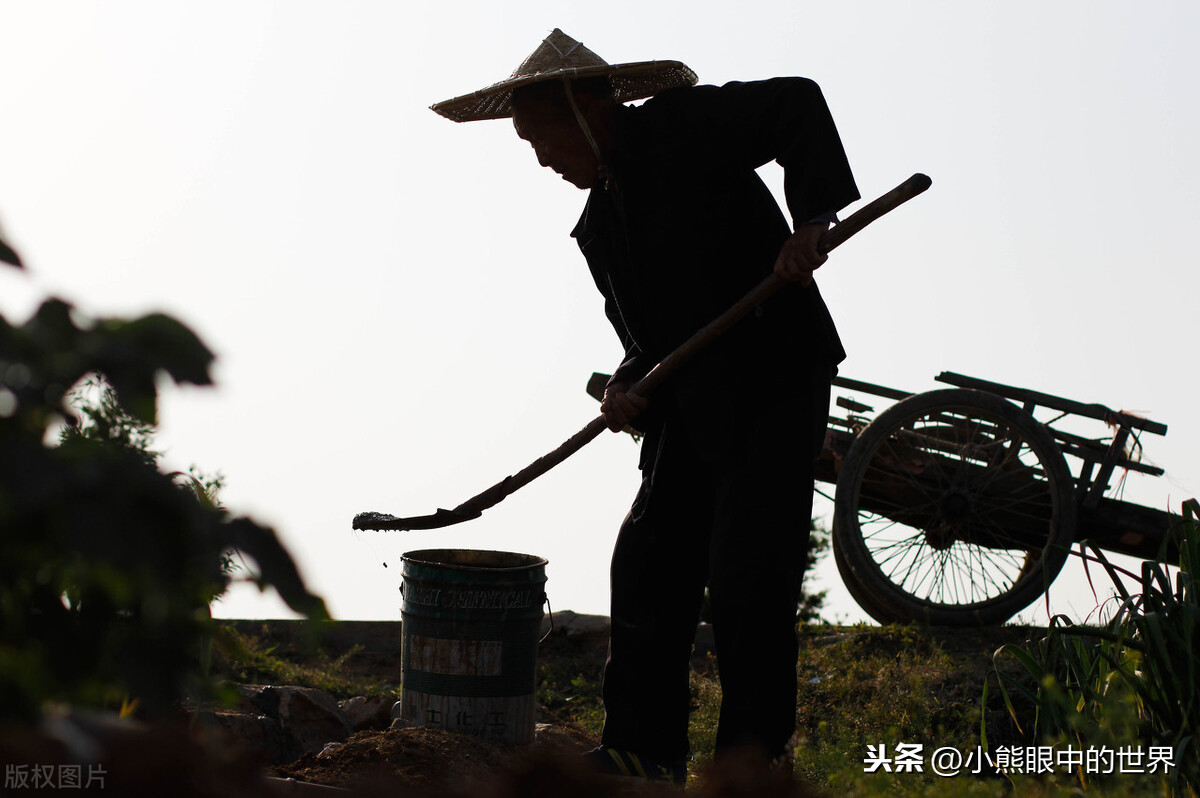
[561,57]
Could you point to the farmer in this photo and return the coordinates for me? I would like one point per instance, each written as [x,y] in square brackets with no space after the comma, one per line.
[676,228]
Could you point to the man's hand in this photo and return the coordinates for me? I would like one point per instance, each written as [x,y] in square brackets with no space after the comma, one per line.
[799,256]
[620,407]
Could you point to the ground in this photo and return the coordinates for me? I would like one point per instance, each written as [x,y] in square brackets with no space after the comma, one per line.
[856,682]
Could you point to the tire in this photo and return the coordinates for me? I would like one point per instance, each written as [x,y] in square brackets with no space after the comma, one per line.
[953,507]
[871,604]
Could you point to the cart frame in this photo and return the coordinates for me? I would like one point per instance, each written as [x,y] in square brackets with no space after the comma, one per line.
[958,507]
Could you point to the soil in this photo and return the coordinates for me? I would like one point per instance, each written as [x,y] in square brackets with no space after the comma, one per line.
[422,761]
[434,761]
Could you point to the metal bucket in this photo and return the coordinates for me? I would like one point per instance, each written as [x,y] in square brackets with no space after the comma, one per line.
[470,629]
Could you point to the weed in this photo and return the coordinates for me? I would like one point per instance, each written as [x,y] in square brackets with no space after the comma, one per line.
[568,683]
[248,659]
[1130,682]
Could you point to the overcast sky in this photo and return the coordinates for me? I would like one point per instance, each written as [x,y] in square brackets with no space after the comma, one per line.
[401,318]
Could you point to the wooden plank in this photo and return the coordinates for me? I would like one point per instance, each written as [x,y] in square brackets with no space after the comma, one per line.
[866,387]
[1096,411]
[1096,448]
[1093,451]
[853,406]
[1090,457]
[1105,471]
[1129,528]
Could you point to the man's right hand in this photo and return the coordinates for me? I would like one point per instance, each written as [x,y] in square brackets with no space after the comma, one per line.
[621,407]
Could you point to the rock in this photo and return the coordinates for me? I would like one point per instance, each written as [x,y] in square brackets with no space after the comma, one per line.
[577,626]
[594,629]
[330,749]
[257,733]
[312,718]
[262,698]
[368,712]
[309,717]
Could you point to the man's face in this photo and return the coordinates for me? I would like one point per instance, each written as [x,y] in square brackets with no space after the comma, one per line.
[557,140]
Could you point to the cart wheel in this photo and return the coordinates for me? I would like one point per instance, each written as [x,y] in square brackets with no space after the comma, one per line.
[873,606]
[953,507]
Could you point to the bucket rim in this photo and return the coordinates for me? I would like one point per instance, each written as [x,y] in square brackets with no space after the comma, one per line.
[429,557]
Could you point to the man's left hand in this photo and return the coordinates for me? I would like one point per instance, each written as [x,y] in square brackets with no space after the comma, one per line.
[621,406]
[800,256]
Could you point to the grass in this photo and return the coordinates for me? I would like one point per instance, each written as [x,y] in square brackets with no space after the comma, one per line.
[248,659]
[859,687]
[885,686]
[568,684]
[1133,680]
[866,686]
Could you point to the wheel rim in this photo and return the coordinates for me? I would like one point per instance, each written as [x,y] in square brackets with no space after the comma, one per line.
[955,506]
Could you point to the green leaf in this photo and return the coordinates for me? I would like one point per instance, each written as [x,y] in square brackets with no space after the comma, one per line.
[136,392]
[52,327]
[9,255]
[983,740]
[275,565]
[130,355]
[171,346]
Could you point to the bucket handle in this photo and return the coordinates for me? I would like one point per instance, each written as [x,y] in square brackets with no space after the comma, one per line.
[550,613]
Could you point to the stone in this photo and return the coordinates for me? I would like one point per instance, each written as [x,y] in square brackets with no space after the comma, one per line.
[259,734]
[312,718]
[368,712]
[330,749]
[263,698]
[309,717]
[578,626]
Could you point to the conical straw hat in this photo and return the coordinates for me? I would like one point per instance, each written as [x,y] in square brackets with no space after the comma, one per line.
[557,57]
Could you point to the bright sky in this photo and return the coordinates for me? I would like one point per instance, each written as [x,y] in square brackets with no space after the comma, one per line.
[401,318]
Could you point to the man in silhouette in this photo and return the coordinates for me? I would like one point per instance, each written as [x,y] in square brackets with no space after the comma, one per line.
[676,228]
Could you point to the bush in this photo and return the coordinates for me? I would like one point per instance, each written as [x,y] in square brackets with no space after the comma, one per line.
[108,564]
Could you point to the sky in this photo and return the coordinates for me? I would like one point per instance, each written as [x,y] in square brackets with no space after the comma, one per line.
[401,318]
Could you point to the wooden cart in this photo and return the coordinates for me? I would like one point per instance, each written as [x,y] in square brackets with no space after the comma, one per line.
[958,507]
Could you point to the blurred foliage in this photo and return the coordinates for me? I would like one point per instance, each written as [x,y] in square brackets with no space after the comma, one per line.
[99,416]
[7,255]
[107,564]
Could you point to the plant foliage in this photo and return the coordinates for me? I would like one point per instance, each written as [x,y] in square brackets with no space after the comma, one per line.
[1134,679]
[107,564]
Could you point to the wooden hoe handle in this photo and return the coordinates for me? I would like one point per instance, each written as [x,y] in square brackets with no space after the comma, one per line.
[474,507]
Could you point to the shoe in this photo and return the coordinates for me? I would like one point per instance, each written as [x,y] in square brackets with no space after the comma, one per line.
[614,762]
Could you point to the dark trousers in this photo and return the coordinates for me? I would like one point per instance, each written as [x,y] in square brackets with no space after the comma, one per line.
[730,507]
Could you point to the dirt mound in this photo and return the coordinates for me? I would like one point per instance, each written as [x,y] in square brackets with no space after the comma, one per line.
[428,760]
[419,762]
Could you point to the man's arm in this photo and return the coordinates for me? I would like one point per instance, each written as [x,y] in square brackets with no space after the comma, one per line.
[786,120]
[621,408]
[746,125]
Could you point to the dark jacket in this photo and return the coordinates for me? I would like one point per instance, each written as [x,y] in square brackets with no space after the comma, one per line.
[686,227]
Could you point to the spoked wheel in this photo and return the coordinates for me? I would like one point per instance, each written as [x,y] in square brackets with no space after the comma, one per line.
[953,507]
